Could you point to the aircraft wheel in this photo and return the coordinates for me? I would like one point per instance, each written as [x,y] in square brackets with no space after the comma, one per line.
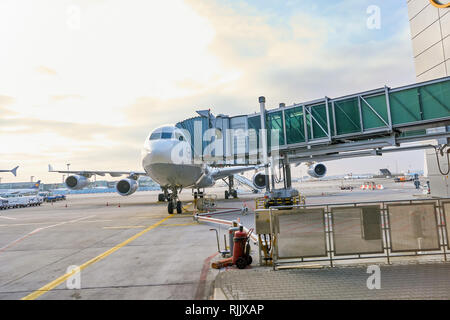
[249,260]
[161,197]
[170,207]
[234,194]
[227,195]
[179,208]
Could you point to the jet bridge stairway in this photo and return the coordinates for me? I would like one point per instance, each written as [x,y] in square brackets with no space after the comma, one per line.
[246,182]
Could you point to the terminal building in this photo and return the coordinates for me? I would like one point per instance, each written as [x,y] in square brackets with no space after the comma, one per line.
[430,34]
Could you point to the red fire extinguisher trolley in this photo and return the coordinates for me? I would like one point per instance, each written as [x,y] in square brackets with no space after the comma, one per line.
[241,248]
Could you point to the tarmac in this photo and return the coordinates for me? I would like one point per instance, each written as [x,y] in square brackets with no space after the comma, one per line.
[130,248]
[135,251]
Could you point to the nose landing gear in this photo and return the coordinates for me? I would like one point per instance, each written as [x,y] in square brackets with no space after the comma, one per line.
[174,203]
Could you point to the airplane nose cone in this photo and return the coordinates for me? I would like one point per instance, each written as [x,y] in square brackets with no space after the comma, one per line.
[159,152]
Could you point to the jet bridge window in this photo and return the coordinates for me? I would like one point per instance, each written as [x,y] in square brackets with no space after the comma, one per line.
[179,136]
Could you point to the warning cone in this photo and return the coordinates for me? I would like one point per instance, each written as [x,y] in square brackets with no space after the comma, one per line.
[119,205]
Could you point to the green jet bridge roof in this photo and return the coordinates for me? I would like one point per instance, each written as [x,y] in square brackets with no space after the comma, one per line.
[360,124]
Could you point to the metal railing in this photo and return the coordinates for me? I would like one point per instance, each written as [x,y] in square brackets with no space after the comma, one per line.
[349,231]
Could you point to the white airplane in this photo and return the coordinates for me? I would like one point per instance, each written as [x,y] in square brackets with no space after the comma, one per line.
[33,190]
[354,176]
[13,171]
[167,159]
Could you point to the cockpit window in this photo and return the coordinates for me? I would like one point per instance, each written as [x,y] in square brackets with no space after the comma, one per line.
[160,135]
[155,136]
[166,135]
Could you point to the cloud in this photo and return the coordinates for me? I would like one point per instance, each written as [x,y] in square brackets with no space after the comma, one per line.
[46,71]
[62,97]
[6,101]
[127,71]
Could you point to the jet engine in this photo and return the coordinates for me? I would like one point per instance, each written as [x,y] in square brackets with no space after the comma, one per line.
[317,170]
[76,182]
[125,187]
[259,180]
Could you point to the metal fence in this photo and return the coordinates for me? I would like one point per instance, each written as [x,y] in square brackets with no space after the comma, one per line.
[362,230]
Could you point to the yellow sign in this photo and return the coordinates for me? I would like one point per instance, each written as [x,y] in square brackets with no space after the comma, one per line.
[437,4]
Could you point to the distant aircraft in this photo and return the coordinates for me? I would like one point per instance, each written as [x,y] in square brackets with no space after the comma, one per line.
[354,176]
[13,171]
[33,189]
[167,159]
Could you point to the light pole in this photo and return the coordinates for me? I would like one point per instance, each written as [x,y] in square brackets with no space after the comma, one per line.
[63,176]
[31,178]
[68,165]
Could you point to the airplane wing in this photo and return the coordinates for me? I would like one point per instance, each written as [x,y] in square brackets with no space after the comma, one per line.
[88,173]
[13,171]
[225,172]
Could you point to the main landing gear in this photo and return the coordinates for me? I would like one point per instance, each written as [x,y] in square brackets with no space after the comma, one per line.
[163,196]
[231,191]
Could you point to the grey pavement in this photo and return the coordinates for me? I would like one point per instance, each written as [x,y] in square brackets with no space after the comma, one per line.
[406,281]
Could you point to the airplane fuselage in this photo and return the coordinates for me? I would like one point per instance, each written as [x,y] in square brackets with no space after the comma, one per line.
[168,162]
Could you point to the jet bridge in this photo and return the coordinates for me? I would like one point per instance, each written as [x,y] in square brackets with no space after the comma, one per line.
[361,124]
[368,123]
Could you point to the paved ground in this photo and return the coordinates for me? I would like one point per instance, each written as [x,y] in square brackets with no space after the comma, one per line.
[415,281]
[165,261]
[134,251]
[406,279]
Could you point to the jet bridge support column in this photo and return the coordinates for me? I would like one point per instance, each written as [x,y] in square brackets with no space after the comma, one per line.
[287,169]
[262,105]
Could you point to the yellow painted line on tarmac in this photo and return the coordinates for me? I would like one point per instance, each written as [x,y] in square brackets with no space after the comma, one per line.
[36,294]
[125,227]
[187,206]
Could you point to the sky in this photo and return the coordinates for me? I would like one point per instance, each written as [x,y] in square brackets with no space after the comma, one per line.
[85,81]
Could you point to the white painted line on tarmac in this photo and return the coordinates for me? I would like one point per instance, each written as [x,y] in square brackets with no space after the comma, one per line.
[9,218]
[38,230]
